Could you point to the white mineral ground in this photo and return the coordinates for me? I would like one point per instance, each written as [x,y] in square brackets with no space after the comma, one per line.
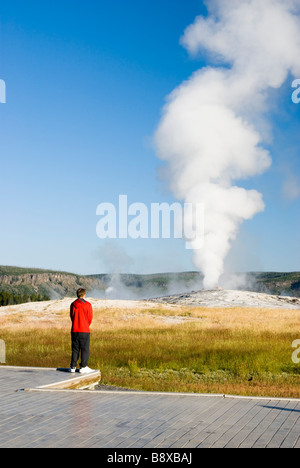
[214,298]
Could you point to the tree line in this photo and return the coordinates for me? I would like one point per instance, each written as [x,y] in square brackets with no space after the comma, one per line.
[9,298]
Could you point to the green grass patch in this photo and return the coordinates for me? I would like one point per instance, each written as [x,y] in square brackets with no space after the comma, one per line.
[181,358]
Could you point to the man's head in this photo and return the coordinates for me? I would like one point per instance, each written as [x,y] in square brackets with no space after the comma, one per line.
[81,293]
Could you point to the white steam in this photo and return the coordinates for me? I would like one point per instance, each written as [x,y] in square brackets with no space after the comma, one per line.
[214,124]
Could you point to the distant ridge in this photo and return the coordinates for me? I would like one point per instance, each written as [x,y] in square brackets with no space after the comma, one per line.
[50,284]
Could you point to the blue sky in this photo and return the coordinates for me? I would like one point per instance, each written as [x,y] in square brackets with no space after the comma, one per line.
[86,83]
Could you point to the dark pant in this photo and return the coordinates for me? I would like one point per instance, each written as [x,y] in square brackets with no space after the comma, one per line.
[80,343]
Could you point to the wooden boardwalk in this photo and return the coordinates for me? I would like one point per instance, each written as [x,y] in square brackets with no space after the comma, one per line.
[70,418]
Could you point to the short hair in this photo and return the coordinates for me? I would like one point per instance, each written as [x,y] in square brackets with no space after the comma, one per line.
[81,293]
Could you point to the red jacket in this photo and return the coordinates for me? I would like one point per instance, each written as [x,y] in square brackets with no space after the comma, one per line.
[81,313]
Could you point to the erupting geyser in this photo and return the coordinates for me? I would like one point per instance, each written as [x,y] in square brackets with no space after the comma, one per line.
[214,124]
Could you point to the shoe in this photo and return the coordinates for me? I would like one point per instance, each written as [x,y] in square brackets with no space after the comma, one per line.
[86,370]
[72,370]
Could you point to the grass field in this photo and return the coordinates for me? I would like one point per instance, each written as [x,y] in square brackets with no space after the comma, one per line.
[234,351]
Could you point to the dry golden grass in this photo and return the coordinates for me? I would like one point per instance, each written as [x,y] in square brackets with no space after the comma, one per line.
[168,348]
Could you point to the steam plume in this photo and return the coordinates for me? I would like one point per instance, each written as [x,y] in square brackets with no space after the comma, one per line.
[214,125]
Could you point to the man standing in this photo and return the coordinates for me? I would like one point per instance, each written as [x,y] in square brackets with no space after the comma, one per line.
[81,313]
